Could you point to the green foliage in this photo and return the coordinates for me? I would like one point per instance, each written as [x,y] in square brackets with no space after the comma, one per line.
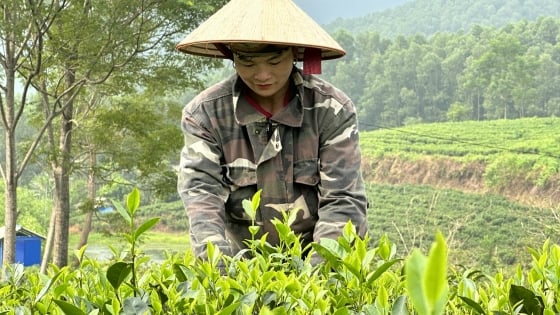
[428,17]
[458,112]
[355,278]
[487,73]
[172,215]
[250,207]
[33,209]
[483,232]
[526,150]
[118,273]
[426,278]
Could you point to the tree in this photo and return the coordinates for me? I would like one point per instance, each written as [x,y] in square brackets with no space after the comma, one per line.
[57,48]
[458,112]
[105,43]
[128,134]
[23,30]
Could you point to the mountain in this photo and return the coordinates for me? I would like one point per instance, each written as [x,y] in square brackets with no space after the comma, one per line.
[431,16]
[327,11]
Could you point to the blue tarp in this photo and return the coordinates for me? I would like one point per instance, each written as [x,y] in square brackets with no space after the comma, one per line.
[28,246]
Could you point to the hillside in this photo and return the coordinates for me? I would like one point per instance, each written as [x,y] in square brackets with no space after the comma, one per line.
[430,16]
[519,159]
[485,232]
[491,187]
[326,11]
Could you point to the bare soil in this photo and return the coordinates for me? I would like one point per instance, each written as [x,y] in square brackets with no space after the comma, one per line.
[450,174]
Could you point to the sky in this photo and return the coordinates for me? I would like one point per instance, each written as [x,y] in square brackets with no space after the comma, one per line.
[326,11]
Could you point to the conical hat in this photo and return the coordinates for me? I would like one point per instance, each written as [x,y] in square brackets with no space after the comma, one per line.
[278,22]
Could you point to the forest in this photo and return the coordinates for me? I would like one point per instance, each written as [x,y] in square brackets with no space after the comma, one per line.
[488,73]
[428,17]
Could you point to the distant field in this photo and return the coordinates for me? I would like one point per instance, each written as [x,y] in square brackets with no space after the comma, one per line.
[532,137]
[519,158]
[483,231]
[491,187]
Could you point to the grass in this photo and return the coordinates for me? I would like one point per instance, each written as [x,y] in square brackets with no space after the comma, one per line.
[478,140]
[153,243]
[483,231]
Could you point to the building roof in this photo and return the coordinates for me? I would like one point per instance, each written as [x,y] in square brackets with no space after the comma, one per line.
[21,231]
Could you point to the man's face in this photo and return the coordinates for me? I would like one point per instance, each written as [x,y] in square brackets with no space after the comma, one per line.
[265,73]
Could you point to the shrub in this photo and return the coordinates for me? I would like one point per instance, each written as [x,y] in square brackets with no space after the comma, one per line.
[354,278]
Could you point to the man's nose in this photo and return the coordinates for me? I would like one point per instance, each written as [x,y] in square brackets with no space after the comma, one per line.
[262,73]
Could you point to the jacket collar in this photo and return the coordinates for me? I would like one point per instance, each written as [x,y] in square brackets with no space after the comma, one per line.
[291,115]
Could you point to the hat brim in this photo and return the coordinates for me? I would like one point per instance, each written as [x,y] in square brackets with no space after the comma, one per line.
[277,22]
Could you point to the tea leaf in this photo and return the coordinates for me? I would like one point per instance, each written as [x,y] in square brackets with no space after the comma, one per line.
[118,272]
[282,229]
[256,200]
[122,211]
[47,286]
[68,308]
[229,309]
[134,306]
[354,268]
[385,248]
[399,308]
[254,229]
[333,247]
[349,232]
[414,270]
[145,226]
[182,272]
[327,253]
[292,216]
[477,308]
[249,210]
[435,276]
[380,270]
[213,253]
[133,201]
[529,302]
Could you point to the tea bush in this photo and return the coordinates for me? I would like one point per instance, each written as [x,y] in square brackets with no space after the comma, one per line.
[353,278]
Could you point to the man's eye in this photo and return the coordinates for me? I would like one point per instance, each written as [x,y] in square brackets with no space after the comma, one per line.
[274,63]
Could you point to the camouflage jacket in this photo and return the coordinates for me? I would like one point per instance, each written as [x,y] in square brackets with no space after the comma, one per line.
[306,156]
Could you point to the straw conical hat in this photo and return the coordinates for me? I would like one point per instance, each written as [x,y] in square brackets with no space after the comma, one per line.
[279,22]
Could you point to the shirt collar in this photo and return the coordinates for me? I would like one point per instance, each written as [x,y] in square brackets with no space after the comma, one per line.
[291,115]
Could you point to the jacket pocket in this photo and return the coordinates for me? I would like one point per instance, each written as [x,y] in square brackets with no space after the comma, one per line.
[242,182]
[306,185]
[306,172]
[240,176]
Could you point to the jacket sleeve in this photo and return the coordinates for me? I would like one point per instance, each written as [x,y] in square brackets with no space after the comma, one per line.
[342,196]
[200,183]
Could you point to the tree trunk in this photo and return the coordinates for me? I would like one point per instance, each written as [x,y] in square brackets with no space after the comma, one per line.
[91,193]
[10,216]
[62,180]
[10,174]
[86,228]
[47,252]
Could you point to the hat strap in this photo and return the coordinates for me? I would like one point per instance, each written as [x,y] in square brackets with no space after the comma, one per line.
[312,60]
[224,50]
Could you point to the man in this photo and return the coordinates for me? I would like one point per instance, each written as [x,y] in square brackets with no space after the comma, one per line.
[270,127]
